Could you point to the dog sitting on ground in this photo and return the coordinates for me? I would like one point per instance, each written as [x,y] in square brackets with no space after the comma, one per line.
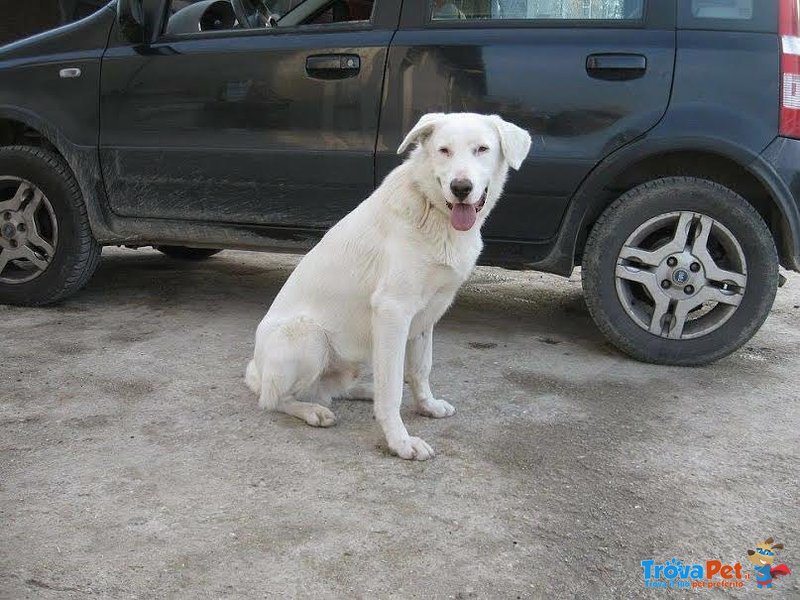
[370,292]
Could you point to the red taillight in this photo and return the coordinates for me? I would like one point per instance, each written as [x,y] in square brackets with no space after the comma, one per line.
[789,31]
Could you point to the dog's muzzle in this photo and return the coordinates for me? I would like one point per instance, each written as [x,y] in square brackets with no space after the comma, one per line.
[478,205]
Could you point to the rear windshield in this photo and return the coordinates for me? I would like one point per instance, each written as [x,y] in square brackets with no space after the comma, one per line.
[729,15]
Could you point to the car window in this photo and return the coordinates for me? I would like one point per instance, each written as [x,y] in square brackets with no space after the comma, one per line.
[279,7]
[578,10]
[728,15]
[197,16]
[342,11]
[722,9]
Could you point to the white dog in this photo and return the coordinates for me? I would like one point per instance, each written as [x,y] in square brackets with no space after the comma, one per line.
[370,292]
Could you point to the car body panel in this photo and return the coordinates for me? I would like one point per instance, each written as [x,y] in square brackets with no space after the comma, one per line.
[198,134]
[741,110]
[30,81]
[233,127]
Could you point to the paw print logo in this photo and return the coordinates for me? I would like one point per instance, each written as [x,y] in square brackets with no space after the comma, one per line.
[672,568]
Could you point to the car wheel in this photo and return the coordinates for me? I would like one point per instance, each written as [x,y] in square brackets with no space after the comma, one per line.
[47,250]
[186,253]
[680,271]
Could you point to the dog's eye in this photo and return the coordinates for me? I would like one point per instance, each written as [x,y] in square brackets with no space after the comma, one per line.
[444,151]
[482,149]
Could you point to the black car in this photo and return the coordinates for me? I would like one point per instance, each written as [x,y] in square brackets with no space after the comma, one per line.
[665,159]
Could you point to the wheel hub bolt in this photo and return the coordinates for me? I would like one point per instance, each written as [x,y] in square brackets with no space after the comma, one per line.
[13,243]
[7,216]
[689,289]
[21,227]
[666,284]
[672,261]
[695,267]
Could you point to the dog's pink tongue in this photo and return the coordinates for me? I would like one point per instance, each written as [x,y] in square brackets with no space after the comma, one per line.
[463,216]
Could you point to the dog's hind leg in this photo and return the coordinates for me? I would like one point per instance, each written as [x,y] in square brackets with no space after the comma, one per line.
[359,391]
[293,360]
[315,415]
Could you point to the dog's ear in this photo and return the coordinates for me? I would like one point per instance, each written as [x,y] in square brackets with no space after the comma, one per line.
[777,546]
[514,141]
[751,552]
[420,131]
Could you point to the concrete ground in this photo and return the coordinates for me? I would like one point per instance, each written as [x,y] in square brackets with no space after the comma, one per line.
[134,463]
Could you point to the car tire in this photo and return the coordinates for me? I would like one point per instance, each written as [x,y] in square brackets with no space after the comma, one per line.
[186,253]
[47,250]
[642,274]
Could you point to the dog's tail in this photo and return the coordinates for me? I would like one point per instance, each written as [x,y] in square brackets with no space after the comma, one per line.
[252,377]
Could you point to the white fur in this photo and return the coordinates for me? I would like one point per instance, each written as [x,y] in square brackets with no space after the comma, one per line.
[369,293]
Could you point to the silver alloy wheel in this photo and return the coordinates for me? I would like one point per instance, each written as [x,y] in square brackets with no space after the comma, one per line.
[28,231]
[681,275]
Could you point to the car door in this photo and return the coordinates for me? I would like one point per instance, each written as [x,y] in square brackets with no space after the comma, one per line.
[583,76]
[269,126]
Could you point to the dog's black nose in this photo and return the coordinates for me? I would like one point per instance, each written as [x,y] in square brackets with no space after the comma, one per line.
[461,188]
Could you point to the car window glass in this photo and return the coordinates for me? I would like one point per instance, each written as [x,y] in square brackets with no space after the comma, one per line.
[728,15]
[722,9]
[579,10]
[278,7]
[342,11]
[196,16]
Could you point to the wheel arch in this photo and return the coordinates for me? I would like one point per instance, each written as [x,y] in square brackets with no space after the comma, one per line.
[22,127]
[734,167]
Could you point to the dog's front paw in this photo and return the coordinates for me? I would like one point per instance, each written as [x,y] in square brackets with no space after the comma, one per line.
[412,448]
[438,409]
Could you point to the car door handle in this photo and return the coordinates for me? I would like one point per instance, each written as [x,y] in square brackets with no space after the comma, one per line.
[333,66]
[69,73]
[616,67]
